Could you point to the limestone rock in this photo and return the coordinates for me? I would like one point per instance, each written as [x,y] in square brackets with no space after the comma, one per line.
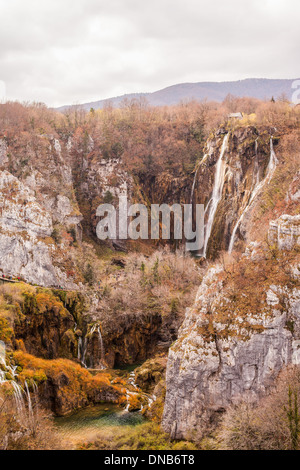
[285,232]
[26,249]
[3,152]
[215,363]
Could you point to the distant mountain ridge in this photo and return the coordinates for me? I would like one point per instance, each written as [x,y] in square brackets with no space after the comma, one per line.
[261,88]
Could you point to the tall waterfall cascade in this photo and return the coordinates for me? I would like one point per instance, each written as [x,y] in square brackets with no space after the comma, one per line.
[257,187]
[213,203]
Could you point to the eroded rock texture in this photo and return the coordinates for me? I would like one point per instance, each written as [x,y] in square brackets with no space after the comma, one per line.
[230,348]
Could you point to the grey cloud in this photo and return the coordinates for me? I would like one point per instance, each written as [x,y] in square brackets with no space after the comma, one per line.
[82,50]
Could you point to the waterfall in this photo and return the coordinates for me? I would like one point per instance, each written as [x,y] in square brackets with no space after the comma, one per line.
[217,193]
[131,380]
[79,348]
[102,351]
[128,402]
[24,414]
[18,396]
[31,419]
[94,328]
[256,189]
[85,345]
[151,400]
[17,389]
[84,348]
[273,161]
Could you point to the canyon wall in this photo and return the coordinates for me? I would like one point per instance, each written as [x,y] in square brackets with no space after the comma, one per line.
[227,346]
[238,335]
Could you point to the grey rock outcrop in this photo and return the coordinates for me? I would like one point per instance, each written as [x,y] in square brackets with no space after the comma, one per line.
[285,232]
[3,152]
[26,249]
[219,360]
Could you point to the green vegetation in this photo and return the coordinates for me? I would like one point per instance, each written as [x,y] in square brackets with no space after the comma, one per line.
[143,437]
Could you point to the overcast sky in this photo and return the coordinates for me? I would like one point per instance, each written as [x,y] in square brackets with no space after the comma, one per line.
[75,51]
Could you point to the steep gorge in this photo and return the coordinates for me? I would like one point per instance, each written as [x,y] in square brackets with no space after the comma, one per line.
[243,327]
[234,339]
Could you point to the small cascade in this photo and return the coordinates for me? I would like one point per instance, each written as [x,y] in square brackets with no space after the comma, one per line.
[83,346]
[151,400]
[35,392]
[216,195]
[128,395]
[84,350]
[102,351]
[256,189]
[18,392]
[18,396]
[79,348]
[131,380]
[273,161]
[147,399]
[128,402]
[31,418]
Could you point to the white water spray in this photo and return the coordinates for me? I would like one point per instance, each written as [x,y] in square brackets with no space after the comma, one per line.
[102,351]
[257,188]
[79,348]
[217,193]
[94,328]
[84,349]
[131,380]
[18,392]
[31,418]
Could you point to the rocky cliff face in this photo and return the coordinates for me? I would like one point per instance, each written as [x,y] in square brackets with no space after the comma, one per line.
[130,339]
[26,249]
[244,168]
[67,178]
[51,186]
[285,232]
[243,328]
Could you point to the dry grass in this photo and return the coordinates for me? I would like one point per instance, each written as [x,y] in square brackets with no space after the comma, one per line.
[27,430]
[164,281]
[268,425]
